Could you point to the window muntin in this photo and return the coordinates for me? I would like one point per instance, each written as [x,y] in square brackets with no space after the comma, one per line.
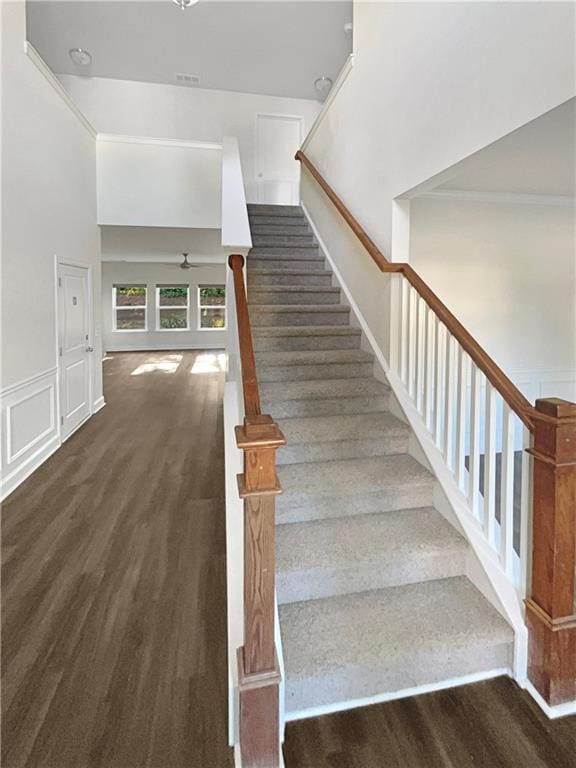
[211,307]
[172,307]
[129,308]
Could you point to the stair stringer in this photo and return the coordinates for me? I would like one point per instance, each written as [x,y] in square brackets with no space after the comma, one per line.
[482,565]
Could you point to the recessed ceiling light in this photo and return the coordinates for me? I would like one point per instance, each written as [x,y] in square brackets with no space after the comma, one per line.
[80,56]
[322,86]
[183,4]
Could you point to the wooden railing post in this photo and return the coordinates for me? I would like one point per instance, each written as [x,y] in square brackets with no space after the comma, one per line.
[258,671]
[550,607]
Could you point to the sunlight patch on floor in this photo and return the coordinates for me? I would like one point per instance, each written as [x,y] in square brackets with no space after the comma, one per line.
[162,363]
[209,363]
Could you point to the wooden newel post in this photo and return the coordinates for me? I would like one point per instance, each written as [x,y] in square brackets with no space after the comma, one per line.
[258,672]
[550,608]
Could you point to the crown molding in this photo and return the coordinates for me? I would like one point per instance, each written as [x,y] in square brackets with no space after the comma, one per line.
[52,80]
[185,143]
[502,198]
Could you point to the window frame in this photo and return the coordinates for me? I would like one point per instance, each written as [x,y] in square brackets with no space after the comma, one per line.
[159,286]
[200,306]
[115,308]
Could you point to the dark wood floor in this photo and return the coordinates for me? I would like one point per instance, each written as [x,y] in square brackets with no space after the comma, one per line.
[114,628]
[114,589]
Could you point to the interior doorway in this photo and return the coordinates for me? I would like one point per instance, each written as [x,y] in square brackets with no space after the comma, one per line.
[278,137]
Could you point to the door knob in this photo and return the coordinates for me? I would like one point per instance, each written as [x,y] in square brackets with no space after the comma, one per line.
[89,349]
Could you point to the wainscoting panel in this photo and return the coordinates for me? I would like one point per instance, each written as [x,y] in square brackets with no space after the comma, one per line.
[30,429]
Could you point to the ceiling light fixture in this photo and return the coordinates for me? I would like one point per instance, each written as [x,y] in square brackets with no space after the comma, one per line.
[183,4]
[80,56]
[322,86]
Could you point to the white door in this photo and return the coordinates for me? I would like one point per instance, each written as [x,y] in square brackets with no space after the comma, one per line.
[74,302]
[277,173]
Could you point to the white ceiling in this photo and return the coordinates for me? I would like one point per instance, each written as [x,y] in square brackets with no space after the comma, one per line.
[539,158]
[275,48]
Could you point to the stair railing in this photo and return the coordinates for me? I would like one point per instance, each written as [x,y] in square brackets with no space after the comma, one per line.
[514,463]
[258,672]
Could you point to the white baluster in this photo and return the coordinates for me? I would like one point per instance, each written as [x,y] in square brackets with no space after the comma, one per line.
[420,352]
[440,340]
[461,397]
[404,329]
[450,377]
[490,464]
[525,512]
[474,470]
[412,342]
[507,491]
[431,331]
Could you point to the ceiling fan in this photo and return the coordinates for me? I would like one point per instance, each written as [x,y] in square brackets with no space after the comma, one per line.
[186,264]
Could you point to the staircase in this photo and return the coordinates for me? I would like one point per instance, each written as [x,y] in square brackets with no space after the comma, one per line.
[373,596]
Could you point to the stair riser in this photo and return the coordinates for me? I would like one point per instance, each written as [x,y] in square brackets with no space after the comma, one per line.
[312,372]
[322,278]
[355,682]
[287,230]
[277,221]
[288,264]
[315,583]
[257,209]
[287,409]
[268,298]
[304,343]
[298,318]
[263,241]
[311,251]
[340,449]
[311,507]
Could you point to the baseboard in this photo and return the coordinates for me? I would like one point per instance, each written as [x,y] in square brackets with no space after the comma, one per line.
[405,693]
[11,481]
[164,348]
[98,405]
[553,712]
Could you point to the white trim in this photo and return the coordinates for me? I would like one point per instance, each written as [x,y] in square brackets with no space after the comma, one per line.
[98,404]
[11,481]
[115,307]
[11,457]
[52,80]
[502,198]
[342,706]
[26,382]
[163,347]
[340,80]
[558,710]
[257,176]
[185,143]
[200,307]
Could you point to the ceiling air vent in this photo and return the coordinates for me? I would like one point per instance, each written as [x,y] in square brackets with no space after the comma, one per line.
[183,79]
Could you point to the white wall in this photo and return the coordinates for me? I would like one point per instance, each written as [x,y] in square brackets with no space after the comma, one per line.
[166,111]
[48,212]
[153,184]
[431,84]
[152,274]
[508,272]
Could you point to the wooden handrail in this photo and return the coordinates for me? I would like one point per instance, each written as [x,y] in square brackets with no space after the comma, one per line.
[247,360]
[258,673]
[495,375]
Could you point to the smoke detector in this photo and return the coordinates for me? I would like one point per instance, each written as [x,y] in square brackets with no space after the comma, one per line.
[322,86]
[80,56]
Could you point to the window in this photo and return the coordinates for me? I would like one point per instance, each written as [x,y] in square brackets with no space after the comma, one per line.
[129,307]
[172,307]
[211,307]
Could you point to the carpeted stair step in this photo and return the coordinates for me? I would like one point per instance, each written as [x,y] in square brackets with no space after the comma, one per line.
[298,263]
[285,251]
[262,274]
[289,228]
[352,487]
[287,241]
[294,294]
[264,209]
[384,641]
[354,554]
[313,337]
[347,436]
[329,397]
[299,314]
[304,365]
